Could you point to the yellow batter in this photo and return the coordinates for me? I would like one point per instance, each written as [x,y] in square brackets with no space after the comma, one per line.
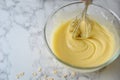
[91,52]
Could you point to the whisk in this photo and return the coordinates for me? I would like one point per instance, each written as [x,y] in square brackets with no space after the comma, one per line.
[81,27]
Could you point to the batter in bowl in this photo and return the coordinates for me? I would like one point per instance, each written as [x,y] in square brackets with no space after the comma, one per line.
[93,51]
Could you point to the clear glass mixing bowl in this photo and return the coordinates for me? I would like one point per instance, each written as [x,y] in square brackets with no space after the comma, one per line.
[102,15]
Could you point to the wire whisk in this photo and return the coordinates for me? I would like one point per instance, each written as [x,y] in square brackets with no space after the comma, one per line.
[81,27]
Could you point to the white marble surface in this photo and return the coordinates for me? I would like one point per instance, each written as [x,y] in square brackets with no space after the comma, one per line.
[22,47]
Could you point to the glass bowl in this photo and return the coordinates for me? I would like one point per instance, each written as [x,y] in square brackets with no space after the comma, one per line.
[102,15]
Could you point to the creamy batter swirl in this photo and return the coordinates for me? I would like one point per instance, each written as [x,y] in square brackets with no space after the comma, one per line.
[93,51]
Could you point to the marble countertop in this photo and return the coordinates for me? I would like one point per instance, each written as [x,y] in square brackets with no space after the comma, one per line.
[23,53]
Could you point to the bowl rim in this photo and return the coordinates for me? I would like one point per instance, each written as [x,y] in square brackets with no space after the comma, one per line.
[113,58]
